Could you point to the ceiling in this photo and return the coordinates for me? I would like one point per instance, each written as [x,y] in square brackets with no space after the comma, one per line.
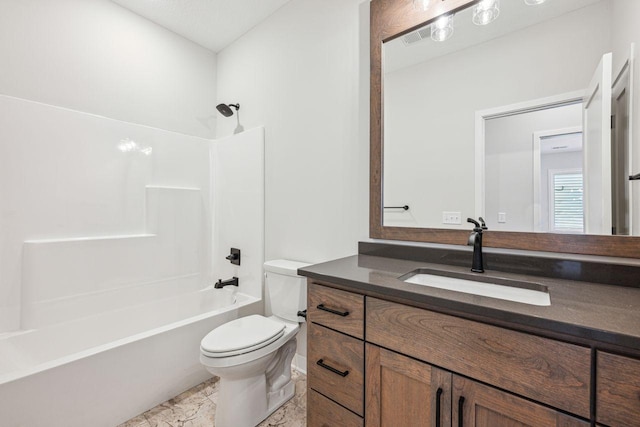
[213,24]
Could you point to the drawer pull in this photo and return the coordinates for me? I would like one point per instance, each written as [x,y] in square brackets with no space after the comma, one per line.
[438,399]
[330,310]
[331,368]
[460,411]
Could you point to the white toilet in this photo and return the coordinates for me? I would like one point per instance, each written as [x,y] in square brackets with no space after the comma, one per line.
[252,355]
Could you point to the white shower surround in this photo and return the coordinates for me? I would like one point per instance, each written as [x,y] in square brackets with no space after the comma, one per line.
[109,226]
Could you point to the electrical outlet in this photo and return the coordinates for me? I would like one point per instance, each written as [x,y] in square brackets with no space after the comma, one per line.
[451,218]
[502,217]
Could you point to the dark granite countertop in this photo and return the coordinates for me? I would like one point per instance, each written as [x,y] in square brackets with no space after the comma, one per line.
[601,315]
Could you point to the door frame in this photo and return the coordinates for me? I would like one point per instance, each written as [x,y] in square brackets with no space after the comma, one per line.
[626,71]
[537,162]
[596,163]
[560,100]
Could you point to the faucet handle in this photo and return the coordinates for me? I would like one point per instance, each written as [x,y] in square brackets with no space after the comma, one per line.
[484,226]
[474,222]
[234,256]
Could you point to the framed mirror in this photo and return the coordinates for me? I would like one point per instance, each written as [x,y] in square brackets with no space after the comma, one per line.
[509,120]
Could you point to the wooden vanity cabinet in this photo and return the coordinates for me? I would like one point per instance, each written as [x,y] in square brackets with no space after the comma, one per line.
[335,357]
[554,373]
[401,391]
[339,310]
[478,405]
[409,366]
[617,390]
[325,412]
[336,366]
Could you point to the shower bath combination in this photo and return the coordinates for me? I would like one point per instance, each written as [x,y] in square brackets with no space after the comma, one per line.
[225,110]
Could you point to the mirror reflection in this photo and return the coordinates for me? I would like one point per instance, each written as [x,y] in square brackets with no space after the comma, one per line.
[521,114]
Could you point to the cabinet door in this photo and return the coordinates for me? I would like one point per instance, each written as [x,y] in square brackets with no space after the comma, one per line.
[478,405]
[544,370]
[404,392]
[618,390]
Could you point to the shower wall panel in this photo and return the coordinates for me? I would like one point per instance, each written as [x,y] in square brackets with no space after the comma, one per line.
[96,208]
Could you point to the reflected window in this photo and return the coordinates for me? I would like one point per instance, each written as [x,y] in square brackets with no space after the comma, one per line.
[566,201]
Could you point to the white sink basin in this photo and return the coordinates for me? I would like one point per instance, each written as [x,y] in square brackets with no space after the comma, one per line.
[523,292]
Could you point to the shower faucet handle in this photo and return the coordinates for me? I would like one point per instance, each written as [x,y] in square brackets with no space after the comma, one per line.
[234,257]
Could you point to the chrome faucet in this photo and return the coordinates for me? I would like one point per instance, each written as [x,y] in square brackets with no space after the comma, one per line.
[231,282]
[475,240]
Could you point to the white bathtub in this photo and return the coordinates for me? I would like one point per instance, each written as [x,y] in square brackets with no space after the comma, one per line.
[103,370]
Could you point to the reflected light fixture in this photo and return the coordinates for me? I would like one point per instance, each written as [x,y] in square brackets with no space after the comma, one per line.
[486,11]
[421,4]
[533,2]
[442,28]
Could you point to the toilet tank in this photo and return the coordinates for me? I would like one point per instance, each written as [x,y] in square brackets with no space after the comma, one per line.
[285,291]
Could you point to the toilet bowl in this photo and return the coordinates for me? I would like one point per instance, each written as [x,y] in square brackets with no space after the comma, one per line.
[252,355]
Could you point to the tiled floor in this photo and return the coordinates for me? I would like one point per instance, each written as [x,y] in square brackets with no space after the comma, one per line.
[197,407]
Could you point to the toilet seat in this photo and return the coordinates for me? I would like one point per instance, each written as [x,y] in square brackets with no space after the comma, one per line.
[290,331]
[241,336]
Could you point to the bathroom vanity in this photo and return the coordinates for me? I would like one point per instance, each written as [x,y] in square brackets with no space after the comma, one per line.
[406,335]
[385,352]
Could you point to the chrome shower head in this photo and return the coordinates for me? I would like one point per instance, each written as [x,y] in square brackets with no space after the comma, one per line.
[225,110]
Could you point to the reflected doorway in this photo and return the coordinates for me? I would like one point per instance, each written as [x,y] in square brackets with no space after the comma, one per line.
[519,147]
[558,195]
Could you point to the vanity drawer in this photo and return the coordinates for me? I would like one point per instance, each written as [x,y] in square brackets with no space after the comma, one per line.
[336,366]
[336,309]
[542,369]
[324,412]
[617,390]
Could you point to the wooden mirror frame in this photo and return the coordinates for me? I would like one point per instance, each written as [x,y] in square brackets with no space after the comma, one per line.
[391,19]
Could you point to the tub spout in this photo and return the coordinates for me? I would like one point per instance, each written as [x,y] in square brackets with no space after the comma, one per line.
[231,282]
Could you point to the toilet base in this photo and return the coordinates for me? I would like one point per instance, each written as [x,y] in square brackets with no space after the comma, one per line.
[243,414]
[245,402]
[280,397]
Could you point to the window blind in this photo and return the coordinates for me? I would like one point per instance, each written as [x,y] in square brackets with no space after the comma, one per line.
[568,210]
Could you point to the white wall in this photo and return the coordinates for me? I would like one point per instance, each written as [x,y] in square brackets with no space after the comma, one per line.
[304,74]
[301,74]
[237,166]
[97,57]
[430,107]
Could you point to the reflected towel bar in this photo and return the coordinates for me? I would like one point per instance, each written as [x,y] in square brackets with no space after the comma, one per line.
[405,207]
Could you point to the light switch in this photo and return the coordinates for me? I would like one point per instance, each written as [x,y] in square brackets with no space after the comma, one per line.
[502,217]
[451,218]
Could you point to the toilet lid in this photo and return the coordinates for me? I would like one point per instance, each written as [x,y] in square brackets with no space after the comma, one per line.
[241,336]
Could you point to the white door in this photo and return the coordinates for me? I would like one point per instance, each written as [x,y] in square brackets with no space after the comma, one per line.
[597,150]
